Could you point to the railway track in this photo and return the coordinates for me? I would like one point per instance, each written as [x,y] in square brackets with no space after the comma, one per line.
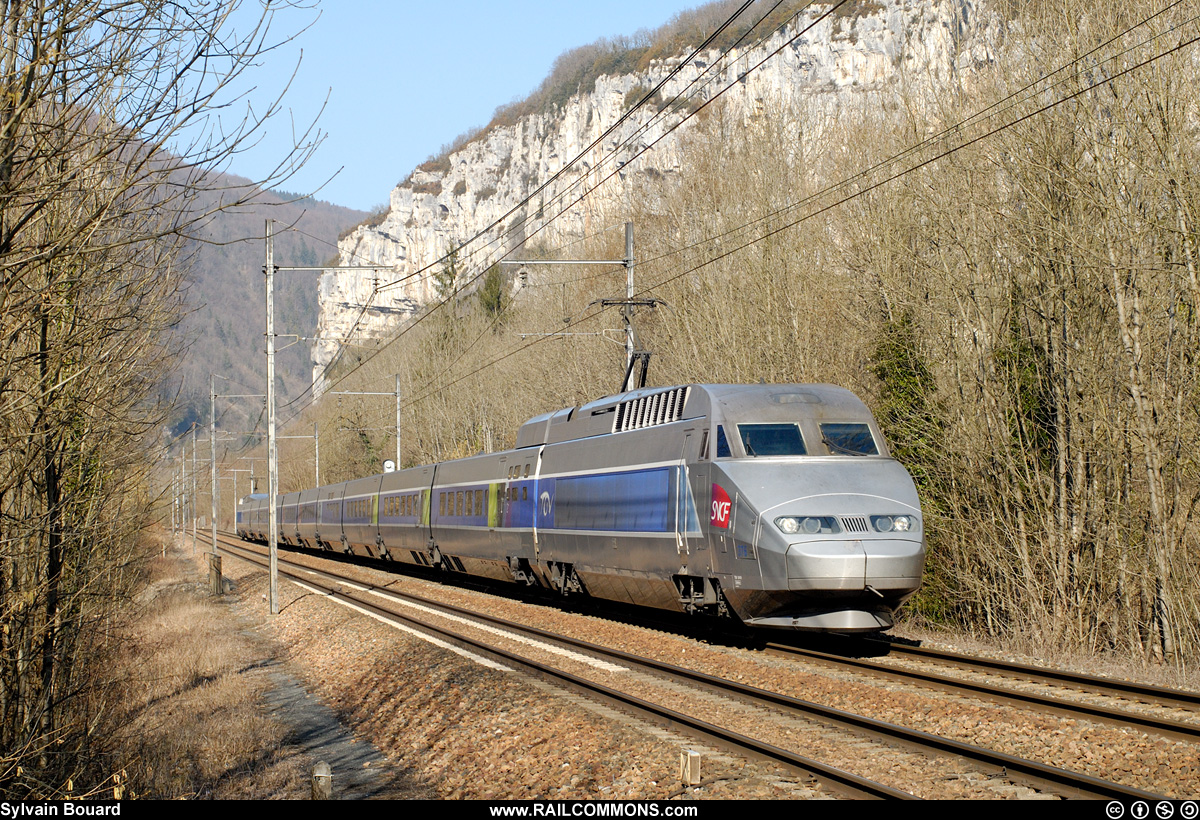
[765,707]
[1127,689]
[845,783]
[1065,707]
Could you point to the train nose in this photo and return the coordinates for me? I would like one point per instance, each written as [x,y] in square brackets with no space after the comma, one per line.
[827,565]
[884,564]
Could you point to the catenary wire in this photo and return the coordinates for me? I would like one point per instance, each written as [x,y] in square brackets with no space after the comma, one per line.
[880,183]
[645,99]
[470,281]
[529,198]
[948,152]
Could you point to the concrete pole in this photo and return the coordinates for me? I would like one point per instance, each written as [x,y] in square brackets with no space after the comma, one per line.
[181,498]
[272,464]
[316,456]
[195,507]
[397,421]
[212,444]
[628,295]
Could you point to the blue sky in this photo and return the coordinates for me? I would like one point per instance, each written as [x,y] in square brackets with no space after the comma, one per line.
[404,78]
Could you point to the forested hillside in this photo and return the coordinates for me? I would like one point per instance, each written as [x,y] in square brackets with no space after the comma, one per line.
[1002,263]
[223,328]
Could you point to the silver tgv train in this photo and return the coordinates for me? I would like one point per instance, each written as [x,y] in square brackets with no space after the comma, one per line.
[778,504]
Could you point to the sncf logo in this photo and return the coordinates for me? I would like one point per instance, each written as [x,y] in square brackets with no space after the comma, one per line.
[721,505]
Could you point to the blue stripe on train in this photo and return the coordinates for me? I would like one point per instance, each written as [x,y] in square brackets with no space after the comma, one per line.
[637,501]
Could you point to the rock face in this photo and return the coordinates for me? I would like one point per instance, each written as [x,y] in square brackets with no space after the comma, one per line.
[481,188]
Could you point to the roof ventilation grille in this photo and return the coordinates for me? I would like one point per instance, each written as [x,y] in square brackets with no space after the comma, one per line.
[651,410]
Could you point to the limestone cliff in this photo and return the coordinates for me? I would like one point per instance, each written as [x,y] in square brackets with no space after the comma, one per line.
[449,201]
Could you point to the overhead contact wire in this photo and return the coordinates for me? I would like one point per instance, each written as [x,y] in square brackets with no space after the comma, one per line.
[528,199]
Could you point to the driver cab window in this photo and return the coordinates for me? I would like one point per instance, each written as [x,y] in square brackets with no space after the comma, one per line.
[772,439]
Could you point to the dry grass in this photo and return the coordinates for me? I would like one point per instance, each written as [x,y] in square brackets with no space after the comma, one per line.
[192,722]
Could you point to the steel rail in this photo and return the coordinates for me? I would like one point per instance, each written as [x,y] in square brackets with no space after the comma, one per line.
[1155,695]
[1174,729]
[1074,783]
[846,782]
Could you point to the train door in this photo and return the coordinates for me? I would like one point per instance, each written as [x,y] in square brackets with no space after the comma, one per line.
[542,508]
[689,539]
[428,480]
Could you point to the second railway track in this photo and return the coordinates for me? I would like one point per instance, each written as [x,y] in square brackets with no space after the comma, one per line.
[780,722]
[1186,726]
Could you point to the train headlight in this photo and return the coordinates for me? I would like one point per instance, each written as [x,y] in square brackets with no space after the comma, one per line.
[807,524]
[894,523]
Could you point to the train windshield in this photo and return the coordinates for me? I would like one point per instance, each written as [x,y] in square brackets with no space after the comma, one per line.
[849,439]
[772,439]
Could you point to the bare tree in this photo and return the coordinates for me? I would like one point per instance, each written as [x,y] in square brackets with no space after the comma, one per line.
[109,129]
[1017,297]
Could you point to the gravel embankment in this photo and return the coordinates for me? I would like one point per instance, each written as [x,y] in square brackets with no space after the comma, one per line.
[460,730]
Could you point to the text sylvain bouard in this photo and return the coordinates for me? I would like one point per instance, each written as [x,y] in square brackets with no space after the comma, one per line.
[65,809]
